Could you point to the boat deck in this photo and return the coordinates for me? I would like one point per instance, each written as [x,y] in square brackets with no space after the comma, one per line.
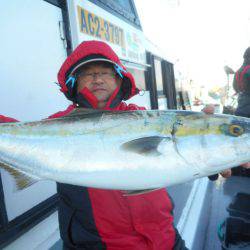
[221,196]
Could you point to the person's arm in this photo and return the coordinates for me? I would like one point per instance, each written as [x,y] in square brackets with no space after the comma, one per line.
[59,114]
[235,84]
[7,119]
[246,165]
[247,80]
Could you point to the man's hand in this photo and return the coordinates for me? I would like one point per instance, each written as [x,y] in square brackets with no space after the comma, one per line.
[246,165]
[226,173]
[209,109]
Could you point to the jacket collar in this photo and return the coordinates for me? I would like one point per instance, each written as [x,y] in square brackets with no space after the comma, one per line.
[87,100]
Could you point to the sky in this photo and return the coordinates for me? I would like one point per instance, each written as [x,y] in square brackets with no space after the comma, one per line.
[199,36]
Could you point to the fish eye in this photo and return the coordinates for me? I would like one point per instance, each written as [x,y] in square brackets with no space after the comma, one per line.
[235,130]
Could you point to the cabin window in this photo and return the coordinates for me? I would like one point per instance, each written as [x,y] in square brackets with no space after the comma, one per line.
[160,82]
[139,77]
[162,100]
[158,76]
[124,9]
[126,4]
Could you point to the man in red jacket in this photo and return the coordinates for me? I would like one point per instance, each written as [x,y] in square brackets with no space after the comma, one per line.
[89,218]
[93,77]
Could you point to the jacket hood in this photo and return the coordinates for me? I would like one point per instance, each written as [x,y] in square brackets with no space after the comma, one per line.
[88,51]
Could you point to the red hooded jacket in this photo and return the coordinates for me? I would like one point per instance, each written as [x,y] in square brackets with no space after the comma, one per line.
[137,222]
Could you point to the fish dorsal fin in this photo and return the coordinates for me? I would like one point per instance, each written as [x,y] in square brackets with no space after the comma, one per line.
[90,113]
[145,145]
[84,112]
[138,192]
[22,180]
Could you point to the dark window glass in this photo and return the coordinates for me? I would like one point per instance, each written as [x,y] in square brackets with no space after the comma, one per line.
[122,8]
[126,4]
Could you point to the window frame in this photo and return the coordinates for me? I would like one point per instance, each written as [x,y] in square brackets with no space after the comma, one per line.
[151,80]
[169,84]
[23,223]
[168,80]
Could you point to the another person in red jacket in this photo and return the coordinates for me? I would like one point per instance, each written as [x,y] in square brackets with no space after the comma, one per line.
[241,85]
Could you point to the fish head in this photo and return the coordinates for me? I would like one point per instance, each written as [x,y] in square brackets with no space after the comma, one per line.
[213,143]
[235,134]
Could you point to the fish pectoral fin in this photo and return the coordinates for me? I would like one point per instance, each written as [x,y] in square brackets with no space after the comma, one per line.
[145,145]
[22,180]
[138,192]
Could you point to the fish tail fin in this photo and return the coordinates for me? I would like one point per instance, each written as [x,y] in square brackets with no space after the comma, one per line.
[22,180]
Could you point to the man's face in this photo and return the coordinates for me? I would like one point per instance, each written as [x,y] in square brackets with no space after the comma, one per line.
[100,79]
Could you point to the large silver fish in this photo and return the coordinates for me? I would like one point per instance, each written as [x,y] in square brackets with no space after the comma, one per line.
[133,150]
